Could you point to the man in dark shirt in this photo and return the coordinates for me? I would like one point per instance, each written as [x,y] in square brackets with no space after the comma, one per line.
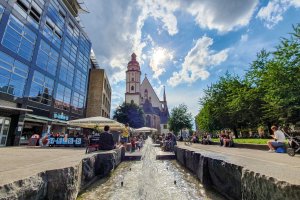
[106,141]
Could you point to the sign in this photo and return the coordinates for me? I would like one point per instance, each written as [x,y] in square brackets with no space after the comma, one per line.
[60,116]
[62,141]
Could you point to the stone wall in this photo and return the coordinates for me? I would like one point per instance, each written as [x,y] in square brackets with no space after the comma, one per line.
[233,181]
[66,183]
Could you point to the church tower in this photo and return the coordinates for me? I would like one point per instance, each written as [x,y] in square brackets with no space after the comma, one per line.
[133,81]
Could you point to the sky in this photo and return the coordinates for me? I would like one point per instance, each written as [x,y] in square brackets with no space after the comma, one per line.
[184,45]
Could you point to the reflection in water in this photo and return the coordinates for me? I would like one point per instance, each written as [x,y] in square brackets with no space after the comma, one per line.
[149,179]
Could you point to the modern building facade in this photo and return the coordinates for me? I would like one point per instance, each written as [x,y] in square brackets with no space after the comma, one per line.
[44,66]
[156,111]
[99,92]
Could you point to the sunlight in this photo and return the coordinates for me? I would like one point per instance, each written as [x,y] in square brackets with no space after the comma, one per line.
[159,56]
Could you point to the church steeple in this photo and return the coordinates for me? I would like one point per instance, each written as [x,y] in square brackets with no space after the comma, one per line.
[133,81]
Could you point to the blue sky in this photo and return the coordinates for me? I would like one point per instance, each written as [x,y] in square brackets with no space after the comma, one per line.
[184,45]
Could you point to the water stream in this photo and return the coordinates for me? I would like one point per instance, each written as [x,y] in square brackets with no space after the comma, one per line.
[149,179]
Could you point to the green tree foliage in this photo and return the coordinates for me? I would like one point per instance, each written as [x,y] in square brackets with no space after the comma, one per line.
[131,114]
[268,94]
[180,118]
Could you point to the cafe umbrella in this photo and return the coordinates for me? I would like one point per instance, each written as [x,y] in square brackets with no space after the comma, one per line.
[99,122]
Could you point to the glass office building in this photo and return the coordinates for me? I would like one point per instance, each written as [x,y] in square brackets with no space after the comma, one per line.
[44,65]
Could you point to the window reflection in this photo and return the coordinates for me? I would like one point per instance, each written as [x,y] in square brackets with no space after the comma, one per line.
[77,103]
[41,88]
[47,58]
[80,81]
[70,50]
[52,32]
[63,97]
[57,13]
[18,38]
[13,75]
[66,73]
[1,11]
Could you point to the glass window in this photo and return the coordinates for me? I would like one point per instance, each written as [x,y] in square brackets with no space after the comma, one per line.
[30,10]
[84,46]
[47,58]
[66,73]
[82,62]
[52,32]
[41,88]
[73,31]
[1,11]
[77,103]
[70,50]
[63,97]
[80,81]
[18,38]
[13,75]
[57,13]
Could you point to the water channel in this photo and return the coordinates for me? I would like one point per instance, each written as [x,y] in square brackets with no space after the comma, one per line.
[149,179]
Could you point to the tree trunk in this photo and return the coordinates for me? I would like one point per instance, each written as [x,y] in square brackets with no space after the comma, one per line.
[235,132]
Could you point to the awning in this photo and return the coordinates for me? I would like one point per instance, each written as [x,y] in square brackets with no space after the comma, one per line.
[14,108]
[37,118]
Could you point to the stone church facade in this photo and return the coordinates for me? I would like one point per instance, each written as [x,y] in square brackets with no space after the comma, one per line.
[156,111]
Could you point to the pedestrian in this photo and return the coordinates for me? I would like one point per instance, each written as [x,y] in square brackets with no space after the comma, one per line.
[125,135]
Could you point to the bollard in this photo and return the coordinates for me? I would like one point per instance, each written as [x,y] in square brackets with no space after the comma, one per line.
[122,184]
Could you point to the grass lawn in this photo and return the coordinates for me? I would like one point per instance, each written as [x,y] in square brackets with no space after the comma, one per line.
[246,140]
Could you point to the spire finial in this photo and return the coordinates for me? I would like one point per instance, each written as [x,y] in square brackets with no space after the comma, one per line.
[165,98]
[133,56]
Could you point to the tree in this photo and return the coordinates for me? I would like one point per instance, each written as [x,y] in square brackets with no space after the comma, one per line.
[131,114]
[180,118]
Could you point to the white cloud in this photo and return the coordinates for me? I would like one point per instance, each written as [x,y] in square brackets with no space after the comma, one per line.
[158,58]
[221,15]
[244,38]
[196,62]
[273,12]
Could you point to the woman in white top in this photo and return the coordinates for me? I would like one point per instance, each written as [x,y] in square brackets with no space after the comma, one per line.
[278,141]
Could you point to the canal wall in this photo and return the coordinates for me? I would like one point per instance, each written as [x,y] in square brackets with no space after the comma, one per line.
[64,183]
[232,180]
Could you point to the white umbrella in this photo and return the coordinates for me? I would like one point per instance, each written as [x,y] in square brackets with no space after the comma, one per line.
[99,121]
[145,129]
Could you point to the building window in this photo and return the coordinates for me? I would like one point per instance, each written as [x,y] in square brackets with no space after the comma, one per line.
[82,61]
[132,88]
[47,58]
[70,50]
[132,102]
[132,79]
[52,32]
[165,126]
[57,13]
[41,88]
[13,75]
[30,10]
[62,97]
[77,103]
[66,73]
[84,46]
[80,81]
[1,11]
[73,31]
[18,38]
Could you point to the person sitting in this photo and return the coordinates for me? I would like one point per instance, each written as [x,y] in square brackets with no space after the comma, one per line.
[222,137]
[133,144]
[278,141]
[227,139]
[106,141]
[206,139]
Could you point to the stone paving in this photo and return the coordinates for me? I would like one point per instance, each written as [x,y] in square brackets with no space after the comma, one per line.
[280,166]
[19,162]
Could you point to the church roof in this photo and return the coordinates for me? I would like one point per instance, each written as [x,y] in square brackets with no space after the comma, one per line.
[133,65]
